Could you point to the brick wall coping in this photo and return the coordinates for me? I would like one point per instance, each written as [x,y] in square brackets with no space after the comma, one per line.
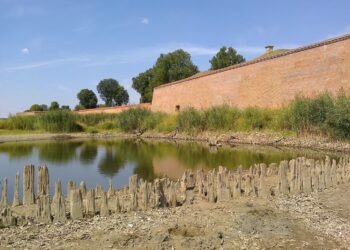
[292,51]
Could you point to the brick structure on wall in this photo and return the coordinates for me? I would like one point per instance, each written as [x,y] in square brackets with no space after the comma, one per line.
[265,82]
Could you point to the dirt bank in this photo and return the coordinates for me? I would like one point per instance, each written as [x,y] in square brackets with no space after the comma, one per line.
[254,138]
[319,221]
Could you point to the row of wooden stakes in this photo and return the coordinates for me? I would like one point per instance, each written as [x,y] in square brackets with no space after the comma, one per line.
[287,178]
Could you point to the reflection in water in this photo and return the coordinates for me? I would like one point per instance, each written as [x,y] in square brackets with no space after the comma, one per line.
[111,162]
[88,152]
[59,152]
[16,150]
[96,160]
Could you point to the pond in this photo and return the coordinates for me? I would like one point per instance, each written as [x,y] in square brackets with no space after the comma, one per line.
[98,161]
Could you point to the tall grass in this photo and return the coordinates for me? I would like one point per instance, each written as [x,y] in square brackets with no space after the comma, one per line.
[133,119]
[59,121]
[326,114]
[19,123]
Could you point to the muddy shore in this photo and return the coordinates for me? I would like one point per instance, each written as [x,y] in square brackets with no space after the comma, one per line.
[319,221]
[252,138]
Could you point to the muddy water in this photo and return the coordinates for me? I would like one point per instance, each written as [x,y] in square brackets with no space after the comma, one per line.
[98,161]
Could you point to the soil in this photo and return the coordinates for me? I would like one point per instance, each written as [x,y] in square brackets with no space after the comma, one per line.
[318,221]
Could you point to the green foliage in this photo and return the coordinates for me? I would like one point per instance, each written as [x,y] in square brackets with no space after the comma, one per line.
[107,125]
[167,124]
[59,121]
[338,119]
[191,121]
[172,67]
[256,118]
[323,115]
[78,107]
[221,117]
[142,84]
[91,130]
[168,68]
[37,107]
[19,123]
[226,57]
[87,99]
[307,115]
[93,119]
[133,119]
[65,107]
[152,120]
[44,107]
[54,106]
[112,93]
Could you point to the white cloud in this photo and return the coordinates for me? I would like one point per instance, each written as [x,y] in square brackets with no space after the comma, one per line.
[137,55]
[41,64]
[145,21]
[25,51]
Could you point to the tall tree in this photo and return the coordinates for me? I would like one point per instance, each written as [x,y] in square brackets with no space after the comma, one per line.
[87,98]
[36,107]
[121,96]
[226,57]
[168,68]
[112,93]
[142,83]
[54,105]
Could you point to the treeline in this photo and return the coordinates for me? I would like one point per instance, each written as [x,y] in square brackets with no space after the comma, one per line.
[325,115]
[43,107]
[170,67]
[176,66]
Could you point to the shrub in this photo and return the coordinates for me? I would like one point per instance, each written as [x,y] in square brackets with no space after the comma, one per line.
[59,121]
[338,120]
[256,118]
[94,119]
[107,125]
[221,117]
[20,123]
[191,121]
[152,120]
[167,124]
[91,130]
[310,114]
[133,119]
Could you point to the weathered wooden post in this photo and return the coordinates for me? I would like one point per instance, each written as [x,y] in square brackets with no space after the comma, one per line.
[28,185]
[15,202]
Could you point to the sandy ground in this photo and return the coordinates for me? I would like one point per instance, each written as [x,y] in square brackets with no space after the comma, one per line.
[319,221]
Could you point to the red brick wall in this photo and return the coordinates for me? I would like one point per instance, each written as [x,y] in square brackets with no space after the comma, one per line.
[269,83]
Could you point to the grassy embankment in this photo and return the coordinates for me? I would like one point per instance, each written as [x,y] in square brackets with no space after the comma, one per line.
[325,115]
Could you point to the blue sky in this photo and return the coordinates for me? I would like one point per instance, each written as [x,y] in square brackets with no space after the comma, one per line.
[49,50]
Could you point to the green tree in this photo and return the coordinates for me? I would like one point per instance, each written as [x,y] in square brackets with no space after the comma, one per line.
[121,96]
[44,107]
[226,57]
[36,107]
[87,98]
[112,93]
[168,68]
[142,83]
[54,106]
[65,107]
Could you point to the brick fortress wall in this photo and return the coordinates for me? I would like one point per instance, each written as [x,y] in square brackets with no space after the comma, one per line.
[270,82]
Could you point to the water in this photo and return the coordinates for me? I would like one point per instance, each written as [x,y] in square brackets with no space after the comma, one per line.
[98,161]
